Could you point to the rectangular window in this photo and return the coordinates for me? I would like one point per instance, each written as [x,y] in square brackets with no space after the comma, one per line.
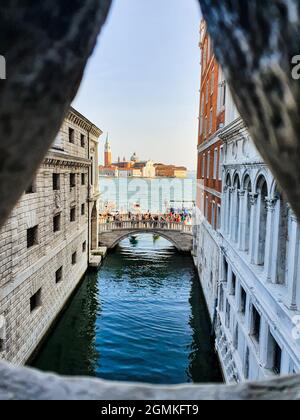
[72,180]
[227,317]
[212,82]
[211,121]
[213,215]
[59,275]
[243,301]
[203,165]
[219,217]
[226,270]
[207,92]
[56,223]
[74,258]
[36,301]
[84,247]
[73,214]
[233,284]
[215,163]
[71,135]
[92,171]
[221,157]
[206,207]
[31,189]
[56,182]
[32,237]
[82,140]
[221,305]
[276,356]
[82,209]
[208,166]
[256,323]
[82,179]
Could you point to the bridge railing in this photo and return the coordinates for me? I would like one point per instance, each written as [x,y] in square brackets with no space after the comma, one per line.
[145,225]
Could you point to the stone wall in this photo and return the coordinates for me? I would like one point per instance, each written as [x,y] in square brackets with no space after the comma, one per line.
[32,290]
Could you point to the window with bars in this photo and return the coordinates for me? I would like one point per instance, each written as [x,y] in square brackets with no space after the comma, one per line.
[72,181]
[57,223]
[32,237]
[73,214]
[74,258]
[36,300]
[256,324]
[59,275]
[71,135]
[56,182]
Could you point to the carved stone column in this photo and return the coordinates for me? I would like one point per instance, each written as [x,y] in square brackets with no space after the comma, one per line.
[293,263]
[231,212]
[242,219]
[253,226]
[271,236]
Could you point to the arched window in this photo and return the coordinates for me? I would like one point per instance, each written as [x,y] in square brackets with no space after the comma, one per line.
[262,190]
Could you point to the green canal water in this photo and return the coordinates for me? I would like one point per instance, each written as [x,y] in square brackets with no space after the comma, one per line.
[141,318]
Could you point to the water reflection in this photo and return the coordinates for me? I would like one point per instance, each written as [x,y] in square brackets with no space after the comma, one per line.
[143,318]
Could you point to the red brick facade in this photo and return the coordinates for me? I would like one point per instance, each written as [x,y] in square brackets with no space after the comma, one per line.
[211,119]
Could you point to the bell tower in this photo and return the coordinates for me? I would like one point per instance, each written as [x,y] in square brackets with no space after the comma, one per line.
[107,153]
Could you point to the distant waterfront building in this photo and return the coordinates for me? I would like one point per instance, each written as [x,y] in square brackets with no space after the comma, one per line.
[170,171]
[49,240]
[249,262]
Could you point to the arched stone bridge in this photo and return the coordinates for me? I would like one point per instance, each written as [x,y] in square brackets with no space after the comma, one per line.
[179,234]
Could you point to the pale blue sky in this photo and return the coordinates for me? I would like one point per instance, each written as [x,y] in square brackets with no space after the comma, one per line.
[142,82]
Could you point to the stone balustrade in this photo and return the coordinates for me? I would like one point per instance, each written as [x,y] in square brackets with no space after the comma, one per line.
[18,383]
[145,225]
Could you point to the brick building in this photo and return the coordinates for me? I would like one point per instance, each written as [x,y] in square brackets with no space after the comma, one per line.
[211,120]
[48,241]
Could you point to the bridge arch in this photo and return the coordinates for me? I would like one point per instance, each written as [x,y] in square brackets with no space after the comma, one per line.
[180,236]
[168,237]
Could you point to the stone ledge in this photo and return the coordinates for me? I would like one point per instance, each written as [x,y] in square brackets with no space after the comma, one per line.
[18,383]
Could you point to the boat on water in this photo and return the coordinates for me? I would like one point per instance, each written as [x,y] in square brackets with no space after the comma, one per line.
[133,239]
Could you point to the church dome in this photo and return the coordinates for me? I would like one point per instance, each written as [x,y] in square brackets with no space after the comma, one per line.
[134,158]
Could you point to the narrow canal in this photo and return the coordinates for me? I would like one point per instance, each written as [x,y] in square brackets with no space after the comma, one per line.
[141,318]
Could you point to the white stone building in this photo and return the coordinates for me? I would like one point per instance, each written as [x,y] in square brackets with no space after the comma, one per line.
[259,273]
[49,239]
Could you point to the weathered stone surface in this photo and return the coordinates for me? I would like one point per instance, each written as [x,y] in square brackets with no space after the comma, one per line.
[254,42]
[46,46]
[26,384]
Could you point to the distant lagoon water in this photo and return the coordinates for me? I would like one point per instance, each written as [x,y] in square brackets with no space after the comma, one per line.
[156,195]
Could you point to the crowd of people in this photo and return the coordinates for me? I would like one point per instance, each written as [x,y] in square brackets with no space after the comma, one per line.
[183,217]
